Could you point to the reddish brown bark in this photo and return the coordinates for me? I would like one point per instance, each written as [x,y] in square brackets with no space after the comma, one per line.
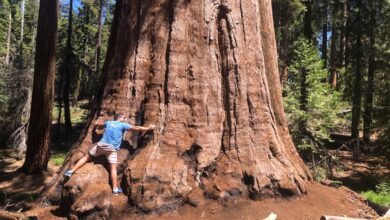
[38,140]
[206,73]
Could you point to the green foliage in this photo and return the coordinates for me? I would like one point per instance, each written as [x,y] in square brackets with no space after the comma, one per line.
[85,76]
[5,10]
[78,115]
[288,17]
[58,158]
[3,95]
[381,195]
[319,173]
[322,102]
[381,114]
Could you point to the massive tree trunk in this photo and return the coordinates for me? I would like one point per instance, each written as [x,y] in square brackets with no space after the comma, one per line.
[38,140]
[206,73]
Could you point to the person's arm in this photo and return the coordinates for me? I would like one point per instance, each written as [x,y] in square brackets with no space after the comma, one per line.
[141,128]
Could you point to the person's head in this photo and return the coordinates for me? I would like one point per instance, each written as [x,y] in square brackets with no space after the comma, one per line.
[119,117]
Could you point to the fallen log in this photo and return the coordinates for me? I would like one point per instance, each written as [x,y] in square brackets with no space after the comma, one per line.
[328,217]
[5,215]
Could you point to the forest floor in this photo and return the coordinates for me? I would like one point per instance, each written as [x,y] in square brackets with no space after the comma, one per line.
[362,174]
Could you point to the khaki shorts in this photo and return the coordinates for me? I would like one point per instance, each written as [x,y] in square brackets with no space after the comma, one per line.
[105,149]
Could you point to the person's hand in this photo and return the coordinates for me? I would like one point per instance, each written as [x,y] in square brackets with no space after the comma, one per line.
[152,127]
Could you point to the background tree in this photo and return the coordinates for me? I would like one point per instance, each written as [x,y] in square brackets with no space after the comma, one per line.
[68,70]
[323,103]
[38,141]
[288,17]
[368,101]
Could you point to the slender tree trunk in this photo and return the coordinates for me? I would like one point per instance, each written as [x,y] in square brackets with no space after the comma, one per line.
[76,90]
[38,140]
[308,29]
[80,74]
[333,46]
[59,103]
[345,30]
[333,69]
[68,71]
[7,57]
[357,96]
[222,132]
[324,46]
[308,33]
[282,24]
[285,51]
[98,45]
[368,105]
[58,134]
[34,30]
[21,52]
[303,100]
[22,11]
[99,37]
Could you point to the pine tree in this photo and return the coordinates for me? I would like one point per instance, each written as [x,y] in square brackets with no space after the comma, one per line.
[5,12]
[322,103]
[288,16]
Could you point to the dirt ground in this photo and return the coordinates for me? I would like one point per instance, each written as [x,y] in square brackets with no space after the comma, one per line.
[320,200]
[361,174]
[16,187]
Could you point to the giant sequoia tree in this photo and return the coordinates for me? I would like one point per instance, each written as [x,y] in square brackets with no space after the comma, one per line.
[206,73]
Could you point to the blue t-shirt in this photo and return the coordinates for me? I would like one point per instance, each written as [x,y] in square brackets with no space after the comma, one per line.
[114,132]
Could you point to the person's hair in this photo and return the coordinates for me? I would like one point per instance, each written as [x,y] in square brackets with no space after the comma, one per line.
[117,116]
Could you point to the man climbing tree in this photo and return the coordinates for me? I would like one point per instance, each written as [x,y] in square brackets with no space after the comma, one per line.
[38,140]
[206,74]
[109,145]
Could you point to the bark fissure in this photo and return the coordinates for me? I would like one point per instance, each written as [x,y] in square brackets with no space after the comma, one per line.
[225,83]
[133,74]
[242,21]
[168,50]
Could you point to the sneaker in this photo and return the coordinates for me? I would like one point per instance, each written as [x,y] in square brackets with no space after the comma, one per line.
[117,191]
[68,173]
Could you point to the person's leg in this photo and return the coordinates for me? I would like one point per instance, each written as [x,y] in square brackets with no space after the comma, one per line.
[93,152]
[114,176]
[81,162]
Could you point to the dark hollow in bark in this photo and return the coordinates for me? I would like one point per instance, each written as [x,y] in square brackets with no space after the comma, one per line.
[206,73]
